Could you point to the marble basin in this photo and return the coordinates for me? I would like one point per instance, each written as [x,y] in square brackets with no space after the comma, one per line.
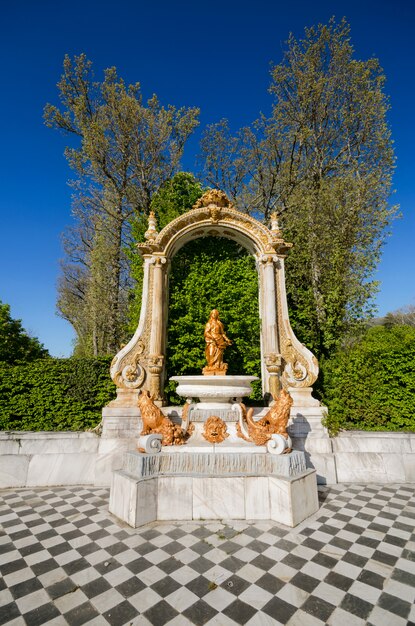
[214,391]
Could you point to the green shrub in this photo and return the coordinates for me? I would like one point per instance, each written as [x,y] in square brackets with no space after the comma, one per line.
[54,394]
[371,386]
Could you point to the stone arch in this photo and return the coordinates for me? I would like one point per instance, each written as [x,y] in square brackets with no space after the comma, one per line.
[141,363]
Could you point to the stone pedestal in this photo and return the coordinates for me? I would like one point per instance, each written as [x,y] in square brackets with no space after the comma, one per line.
[309,435]
[121,427]
[186,486]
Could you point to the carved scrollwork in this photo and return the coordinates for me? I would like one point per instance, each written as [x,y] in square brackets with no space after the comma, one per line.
[132,375]
[297,370]
[158,261]
[269,259]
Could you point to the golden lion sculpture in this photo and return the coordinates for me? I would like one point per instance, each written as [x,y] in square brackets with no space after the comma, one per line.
[273,423]
[154,421]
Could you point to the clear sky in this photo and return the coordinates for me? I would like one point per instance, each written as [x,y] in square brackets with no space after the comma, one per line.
[213,55]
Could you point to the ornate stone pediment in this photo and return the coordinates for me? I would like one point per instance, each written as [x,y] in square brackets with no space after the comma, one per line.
[215,208]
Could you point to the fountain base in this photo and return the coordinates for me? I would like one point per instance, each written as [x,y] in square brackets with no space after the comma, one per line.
[175,485]
[217,473]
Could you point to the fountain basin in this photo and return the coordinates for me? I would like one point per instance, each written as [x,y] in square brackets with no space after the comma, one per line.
[214,391]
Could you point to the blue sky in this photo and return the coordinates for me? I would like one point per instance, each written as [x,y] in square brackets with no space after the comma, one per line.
[213,55]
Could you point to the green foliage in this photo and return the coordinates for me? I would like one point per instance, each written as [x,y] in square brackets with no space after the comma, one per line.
[122,150]
[371,385]
[213,273]
[323,161]
[174,198]
[54,394]
[15,344]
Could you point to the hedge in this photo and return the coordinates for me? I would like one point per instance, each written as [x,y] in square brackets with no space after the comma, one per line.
[371,385]
[54,394]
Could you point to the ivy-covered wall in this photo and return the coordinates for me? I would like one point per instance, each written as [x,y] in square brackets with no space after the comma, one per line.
[54,394]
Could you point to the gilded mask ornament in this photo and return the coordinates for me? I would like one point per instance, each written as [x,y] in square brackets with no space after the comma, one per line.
[215,214]
[215,430]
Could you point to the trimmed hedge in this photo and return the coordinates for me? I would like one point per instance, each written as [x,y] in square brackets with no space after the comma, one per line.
[371,386]
[54,394]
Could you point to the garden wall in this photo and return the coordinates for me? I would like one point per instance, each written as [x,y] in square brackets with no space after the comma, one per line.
[63,458]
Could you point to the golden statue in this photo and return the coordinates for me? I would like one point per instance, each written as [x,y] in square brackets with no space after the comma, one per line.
[154,421]
[216,342]
[273,423]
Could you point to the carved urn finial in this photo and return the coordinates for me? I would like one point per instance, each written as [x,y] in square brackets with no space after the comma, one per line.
[151,232]
[275,227]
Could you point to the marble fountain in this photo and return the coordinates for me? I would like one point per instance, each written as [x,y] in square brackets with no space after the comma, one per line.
[219,462]
[213,458]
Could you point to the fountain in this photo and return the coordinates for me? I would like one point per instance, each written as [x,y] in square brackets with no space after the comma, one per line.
[214,458]
[220,463]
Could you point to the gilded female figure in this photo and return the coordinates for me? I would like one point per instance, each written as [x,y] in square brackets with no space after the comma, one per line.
[216,342]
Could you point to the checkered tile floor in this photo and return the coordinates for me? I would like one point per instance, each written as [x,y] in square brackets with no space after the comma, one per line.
[65,560]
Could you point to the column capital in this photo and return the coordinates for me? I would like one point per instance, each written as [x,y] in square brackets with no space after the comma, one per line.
[158,261]
[269,259]
[273,361]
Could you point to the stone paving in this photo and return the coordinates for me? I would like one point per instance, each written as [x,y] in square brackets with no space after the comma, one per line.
[65,560]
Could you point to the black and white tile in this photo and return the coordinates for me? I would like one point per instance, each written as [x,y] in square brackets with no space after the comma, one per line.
[65,560]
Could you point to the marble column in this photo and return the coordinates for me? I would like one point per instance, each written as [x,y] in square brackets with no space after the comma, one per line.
[271,355]
[156,358]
